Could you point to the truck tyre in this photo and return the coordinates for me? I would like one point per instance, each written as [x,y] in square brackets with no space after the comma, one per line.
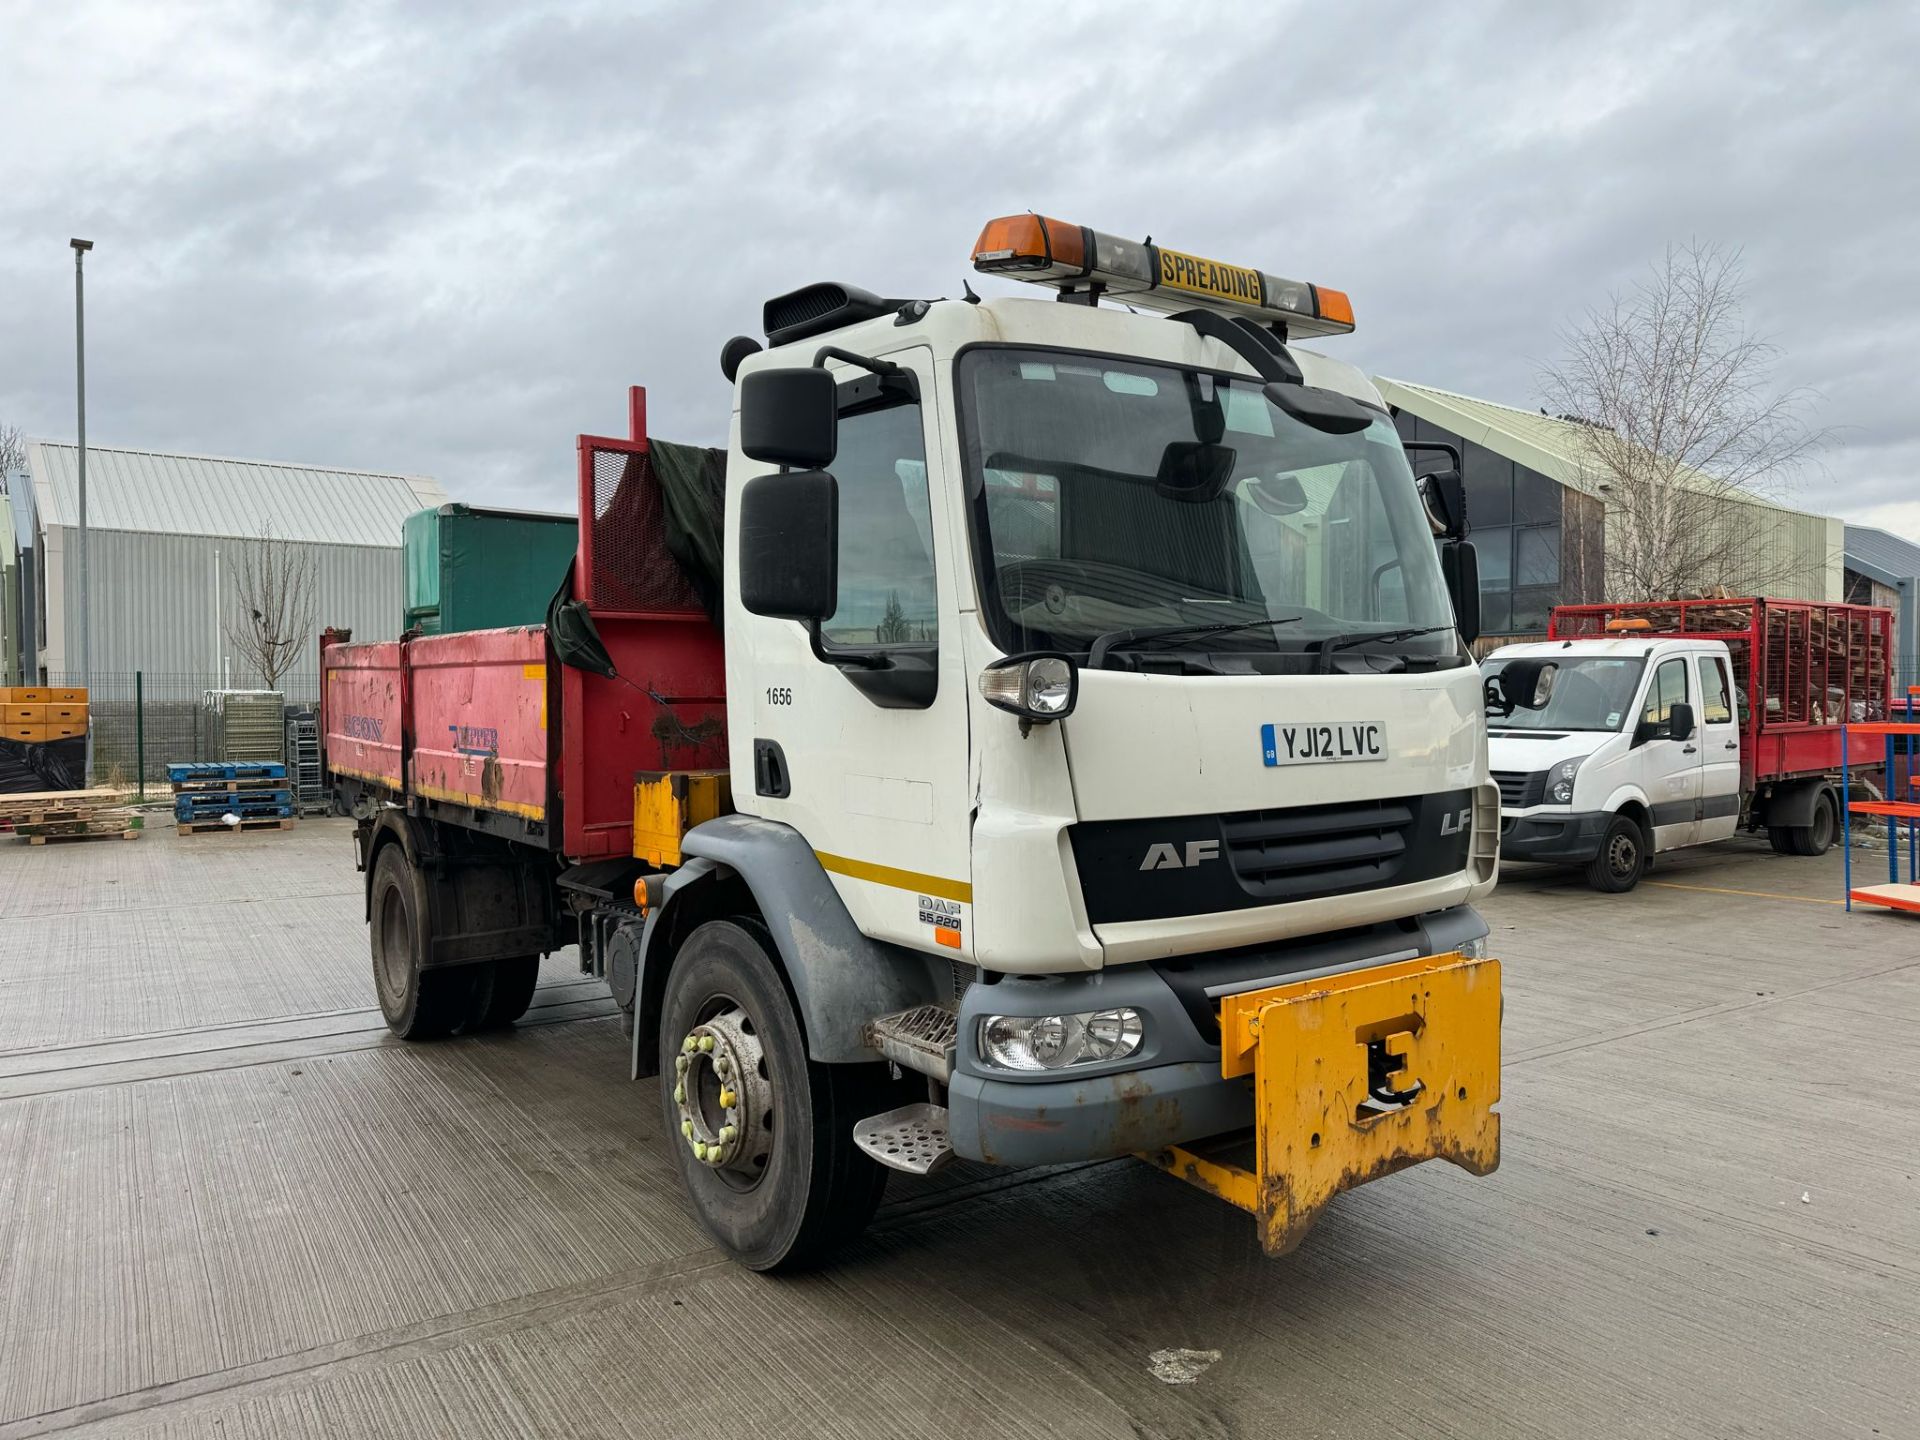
[502,990]
[1816,836]
[1622,859]
[418,1004]
[774,1176]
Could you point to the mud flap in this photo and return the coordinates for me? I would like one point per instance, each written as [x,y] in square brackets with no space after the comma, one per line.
[1355,1076]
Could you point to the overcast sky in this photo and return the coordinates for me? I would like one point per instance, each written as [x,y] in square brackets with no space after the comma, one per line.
[443,238]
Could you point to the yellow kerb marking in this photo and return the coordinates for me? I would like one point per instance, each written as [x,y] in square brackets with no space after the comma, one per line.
[899,879]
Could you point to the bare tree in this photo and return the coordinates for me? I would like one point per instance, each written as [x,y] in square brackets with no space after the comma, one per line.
[1682,432]
[273,620]
[13,453]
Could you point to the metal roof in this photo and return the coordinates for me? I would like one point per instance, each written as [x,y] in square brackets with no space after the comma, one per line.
[155,493]
[1884,550]
[1544,443]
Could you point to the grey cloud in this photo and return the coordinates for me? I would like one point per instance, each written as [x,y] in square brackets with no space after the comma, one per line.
[444,239]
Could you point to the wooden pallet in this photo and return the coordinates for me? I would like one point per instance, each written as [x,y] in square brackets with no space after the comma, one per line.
[12,807]
[129,834]
[208,827]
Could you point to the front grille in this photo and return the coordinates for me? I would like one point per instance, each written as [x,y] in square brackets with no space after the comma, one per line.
[1520,788]
[1317,849]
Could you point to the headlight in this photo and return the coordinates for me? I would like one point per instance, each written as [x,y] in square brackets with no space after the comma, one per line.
[1055,1042]
[1034,687]
[1560,782]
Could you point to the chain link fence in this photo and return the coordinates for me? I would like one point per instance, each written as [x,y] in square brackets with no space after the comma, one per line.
[144,720]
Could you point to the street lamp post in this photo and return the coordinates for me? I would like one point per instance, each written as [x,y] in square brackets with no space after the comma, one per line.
[80,248]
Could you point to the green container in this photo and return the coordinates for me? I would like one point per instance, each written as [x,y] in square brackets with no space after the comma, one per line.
[472,569]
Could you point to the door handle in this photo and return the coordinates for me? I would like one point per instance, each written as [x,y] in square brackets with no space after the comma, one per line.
[1731,745]
[1690,750]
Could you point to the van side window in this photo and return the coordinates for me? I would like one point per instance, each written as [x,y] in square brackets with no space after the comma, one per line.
[1716,708]
[887,591]
[1669,688]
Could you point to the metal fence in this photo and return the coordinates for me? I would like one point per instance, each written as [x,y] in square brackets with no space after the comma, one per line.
[143,720]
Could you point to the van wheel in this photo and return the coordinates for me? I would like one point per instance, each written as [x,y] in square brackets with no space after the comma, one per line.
[418,1004]
[761,1135]
[1816,836]
[1622,859]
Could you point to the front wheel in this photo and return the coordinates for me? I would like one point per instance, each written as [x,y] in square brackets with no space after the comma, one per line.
[761,1135]
[1622,859]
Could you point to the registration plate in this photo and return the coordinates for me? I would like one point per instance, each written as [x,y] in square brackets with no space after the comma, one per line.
[1323,744]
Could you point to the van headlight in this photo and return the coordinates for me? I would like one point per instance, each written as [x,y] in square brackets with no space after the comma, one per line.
[1038,687]
[1560,782]
[1057,1042]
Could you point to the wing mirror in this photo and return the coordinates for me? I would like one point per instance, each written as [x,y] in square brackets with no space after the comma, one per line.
[790,417]
[1521,685]
[1443,494]
[1680,721]
[790,542]
[1323,410]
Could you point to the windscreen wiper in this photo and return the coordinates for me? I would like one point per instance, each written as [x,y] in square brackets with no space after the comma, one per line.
[1102,644]
[1360,637]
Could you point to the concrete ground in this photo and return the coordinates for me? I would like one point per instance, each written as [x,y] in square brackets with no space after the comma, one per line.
[230,1204]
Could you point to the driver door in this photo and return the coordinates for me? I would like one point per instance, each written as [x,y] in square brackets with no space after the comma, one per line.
[1719,742]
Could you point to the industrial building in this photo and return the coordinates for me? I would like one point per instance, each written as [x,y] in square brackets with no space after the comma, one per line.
[166,536]
[1884,569]
[1540,525]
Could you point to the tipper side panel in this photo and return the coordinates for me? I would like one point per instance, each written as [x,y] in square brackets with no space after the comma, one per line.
[363,710]
[664,708]
[480,716]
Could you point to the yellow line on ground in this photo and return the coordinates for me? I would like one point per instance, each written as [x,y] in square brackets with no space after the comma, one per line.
[1755,894]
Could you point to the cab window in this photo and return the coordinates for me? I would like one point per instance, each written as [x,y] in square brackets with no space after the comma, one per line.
[887,594]
[1669,688]
[1716,708]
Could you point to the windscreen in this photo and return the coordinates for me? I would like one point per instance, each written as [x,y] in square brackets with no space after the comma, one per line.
[1593,692]
[1116,494]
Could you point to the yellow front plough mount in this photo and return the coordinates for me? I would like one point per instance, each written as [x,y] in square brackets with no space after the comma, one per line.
[1355,1076]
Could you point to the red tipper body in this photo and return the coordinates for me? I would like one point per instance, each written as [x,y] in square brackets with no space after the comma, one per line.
[488,729]
[1802,667]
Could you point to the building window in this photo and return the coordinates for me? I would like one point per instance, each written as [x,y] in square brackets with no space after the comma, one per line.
[1536,559]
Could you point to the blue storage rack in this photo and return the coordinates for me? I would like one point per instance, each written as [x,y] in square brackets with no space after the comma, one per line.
[1898,809]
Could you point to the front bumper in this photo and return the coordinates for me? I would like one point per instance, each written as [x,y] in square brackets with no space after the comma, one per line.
[1173,1091]
[1561,838]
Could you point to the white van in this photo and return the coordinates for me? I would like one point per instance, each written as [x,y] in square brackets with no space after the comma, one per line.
[1635,748]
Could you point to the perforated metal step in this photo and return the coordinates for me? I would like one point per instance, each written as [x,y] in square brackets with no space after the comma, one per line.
[919,1039]
[912,1139]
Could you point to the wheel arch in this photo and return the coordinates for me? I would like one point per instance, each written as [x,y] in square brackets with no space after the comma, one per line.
[1792,803]
[740,865]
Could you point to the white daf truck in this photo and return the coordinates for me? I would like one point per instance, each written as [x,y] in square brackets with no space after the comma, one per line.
[1107,764]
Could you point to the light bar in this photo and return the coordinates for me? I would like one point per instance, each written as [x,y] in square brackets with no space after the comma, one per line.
[1044,251]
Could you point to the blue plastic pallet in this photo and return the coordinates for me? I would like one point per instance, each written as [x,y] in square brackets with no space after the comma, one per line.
[226,770]
[185,810]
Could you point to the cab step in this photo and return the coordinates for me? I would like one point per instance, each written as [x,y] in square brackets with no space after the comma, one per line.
[912,1139]
[919,1039]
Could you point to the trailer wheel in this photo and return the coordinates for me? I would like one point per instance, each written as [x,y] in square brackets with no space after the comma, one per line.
[761,1135]
[418,1004]
[502,990]
[1816,836]
[1622,859]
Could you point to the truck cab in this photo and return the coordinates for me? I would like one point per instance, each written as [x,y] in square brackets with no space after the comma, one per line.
[1635,750]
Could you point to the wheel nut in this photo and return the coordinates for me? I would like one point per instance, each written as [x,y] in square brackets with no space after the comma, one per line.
[690,1044]
[680,1064]
[679,1094]
[727,1099]
[699,1150]
[706,1043]
[686,1129]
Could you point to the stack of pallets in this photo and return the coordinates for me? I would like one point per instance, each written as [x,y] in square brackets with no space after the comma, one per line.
[210,796]
[45,815]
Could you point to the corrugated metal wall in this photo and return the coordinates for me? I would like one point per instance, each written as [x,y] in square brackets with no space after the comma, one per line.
[154,602]
[1788,554]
